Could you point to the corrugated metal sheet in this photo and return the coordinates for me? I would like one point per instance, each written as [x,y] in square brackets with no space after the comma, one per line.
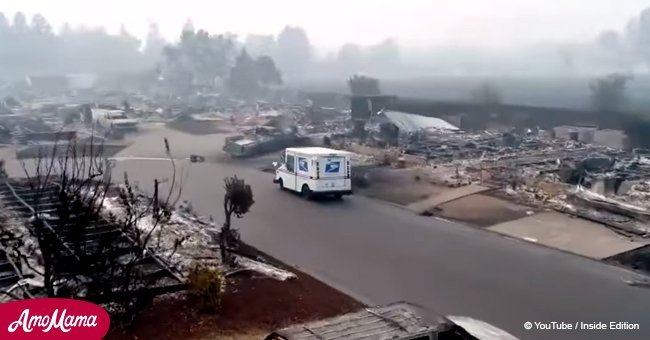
[408,123]
[393,321]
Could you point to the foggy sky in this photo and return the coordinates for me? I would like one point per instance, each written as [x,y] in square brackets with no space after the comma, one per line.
[331,23]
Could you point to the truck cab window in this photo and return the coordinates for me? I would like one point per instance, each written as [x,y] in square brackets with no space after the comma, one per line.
[290,162]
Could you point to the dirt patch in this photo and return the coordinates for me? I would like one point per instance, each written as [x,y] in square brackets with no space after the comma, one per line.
[251,307]
[257,305]
[400,186]
[481,210]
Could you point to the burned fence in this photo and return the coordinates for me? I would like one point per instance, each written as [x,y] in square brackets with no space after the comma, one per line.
[87,256]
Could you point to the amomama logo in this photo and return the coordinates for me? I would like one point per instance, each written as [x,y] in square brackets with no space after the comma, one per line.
[52,319]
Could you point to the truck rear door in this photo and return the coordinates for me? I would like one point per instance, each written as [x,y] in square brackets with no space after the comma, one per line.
[332,172]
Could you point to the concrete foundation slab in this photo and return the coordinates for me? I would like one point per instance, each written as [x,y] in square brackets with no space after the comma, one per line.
[445,196]
[568,233]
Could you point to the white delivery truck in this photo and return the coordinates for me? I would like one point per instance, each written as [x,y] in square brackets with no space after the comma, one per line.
[314,171]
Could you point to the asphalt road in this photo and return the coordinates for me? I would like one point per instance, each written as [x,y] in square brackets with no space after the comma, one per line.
[381,253]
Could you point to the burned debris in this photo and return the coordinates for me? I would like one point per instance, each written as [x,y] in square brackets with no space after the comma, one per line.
[12,281]
[73,232]
[69,231]
[519,163]
[398,320]
[273,128]
[78,252]
[259,141]
[579,170]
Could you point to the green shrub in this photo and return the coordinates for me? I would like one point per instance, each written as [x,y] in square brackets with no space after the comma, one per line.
[207,285]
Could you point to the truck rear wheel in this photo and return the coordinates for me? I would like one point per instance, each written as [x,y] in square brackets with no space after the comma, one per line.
[305,192]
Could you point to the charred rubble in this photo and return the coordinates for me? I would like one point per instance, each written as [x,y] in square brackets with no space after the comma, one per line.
[579,170]
[66,230]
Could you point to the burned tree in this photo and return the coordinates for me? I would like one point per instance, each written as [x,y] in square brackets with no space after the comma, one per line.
[609,99]
[361,85]
[488,95]
[141,219]
[608,93]
[236,201]
[66,191]
[489,98]
[3,171]
[86,251]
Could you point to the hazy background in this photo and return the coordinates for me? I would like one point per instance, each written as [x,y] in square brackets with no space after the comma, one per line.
[535,52]
[332,23]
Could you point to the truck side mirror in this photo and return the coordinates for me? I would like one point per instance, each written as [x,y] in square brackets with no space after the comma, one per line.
[282,158]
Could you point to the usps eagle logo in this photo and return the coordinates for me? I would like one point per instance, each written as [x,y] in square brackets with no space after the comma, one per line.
[332,167]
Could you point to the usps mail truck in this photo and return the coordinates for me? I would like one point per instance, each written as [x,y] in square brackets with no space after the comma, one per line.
[315,171]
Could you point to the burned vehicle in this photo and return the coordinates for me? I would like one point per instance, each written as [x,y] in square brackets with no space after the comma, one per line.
[260,141]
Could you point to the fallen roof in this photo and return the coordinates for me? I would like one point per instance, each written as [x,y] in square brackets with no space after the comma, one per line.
[407,122]
[392,321]
[480,329]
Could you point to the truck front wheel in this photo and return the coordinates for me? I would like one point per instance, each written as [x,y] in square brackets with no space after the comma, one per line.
[281,184]
[305,192]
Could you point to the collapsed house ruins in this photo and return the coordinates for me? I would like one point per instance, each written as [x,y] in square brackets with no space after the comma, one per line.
[569,168]
[80,257]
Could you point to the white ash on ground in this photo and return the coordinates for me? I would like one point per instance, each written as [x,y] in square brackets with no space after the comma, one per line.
[264,268]
[186,240]
[639,194]
[24,248]
[181,241]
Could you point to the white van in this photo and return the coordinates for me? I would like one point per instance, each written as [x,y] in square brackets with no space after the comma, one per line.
[314,171]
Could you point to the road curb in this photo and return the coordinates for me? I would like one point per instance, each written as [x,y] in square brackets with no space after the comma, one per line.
[494,232]
[362,299]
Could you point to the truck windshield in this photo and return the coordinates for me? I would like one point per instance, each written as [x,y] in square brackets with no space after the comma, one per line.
[290,163]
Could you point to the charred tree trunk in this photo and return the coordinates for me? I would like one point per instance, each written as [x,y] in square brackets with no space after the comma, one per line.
[224,236]
[47,277]
[47,256]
